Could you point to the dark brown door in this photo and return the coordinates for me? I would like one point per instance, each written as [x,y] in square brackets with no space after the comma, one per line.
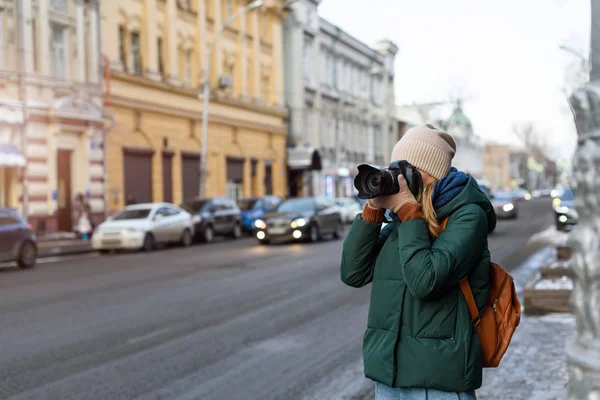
[63,190]
[167,168]
[268,179]
[138,175]
[190,175]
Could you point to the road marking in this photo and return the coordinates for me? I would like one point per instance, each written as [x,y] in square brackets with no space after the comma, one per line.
[148,336]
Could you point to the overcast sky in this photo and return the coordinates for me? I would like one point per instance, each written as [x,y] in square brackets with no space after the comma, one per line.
[503,56]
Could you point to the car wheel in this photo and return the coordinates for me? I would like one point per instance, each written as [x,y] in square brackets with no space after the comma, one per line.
[27,255]
[264,242]
[237,231]
[209,234]
[149,243]
[186,238]
[339,230]
[313,234]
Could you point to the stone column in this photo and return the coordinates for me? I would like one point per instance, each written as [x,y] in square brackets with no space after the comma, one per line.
[256,54]
[151,47]
[81,47]
[247,181]
[277,60]
[173,64]
[242,88]
[95,53]
[43,37]
[583,354]
[28,37]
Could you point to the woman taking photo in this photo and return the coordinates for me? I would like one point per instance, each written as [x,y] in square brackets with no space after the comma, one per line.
[420,342]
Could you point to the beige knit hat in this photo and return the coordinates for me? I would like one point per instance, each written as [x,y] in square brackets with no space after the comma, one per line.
[428,148]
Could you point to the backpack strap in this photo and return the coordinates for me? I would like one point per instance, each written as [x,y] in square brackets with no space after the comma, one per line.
[473,311]
[465,287]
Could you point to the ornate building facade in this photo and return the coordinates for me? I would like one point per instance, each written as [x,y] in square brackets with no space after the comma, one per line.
[156,50]
[340,93]
[52,116]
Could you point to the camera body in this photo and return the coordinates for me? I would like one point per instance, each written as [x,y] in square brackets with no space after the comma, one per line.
[373,181]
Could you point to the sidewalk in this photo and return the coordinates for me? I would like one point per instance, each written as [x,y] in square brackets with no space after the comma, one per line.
[62,243]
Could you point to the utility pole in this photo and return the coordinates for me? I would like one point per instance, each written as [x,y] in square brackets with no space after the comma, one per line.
[583,354]
[25,108]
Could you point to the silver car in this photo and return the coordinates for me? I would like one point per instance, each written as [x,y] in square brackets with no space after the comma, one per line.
[143,226]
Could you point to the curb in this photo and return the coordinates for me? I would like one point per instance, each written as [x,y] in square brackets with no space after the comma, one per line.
[62,251]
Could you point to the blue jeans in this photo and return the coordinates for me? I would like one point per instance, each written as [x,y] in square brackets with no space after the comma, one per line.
[383,392]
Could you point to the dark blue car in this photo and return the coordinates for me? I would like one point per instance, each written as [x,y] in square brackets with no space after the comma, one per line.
[254,208]
[17,240]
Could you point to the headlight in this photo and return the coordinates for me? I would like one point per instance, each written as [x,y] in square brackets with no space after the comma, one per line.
[556,201]
[508,207]
[527,196]
[196,218]
[562,209]
[260,224]
[298,223]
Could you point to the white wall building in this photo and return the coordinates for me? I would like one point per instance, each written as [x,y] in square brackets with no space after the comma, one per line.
[469,147]
[52,118]
[340,94]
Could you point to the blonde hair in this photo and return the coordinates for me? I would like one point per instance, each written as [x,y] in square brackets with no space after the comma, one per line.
[426,200]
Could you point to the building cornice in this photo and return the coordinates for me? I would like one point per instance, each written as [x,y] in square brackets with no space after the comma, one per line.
[196,115]
[193,93]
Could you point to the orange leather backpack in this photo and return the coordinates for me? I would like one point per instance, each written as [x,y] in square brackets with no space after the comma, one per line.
[501,314]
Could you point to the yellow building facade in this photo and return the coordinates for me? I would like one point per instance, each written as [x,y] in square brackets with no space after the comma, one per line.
[156,50]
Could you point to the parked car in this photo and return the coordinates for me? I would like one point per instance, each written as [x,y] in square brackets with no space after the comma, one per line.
[349,208]
[521,194]
[143,227]
[253,208]
[301,219]
[505,205]
[564,211]
[219,216]
[17,240]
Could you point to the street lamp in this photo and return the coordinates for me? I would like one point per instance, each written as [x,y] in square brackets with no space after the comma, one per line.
[206,89]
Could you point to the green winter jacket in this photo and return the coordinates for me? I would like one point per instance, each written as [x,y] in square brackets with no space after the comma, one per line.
[419,333]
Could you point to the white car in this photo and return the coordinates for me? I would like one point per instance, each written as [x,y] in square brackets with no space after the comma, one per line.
[143,226]
[349,208]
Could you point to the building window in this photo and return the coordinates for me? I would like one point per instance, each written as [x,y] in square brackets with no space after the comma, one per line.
[122,52]
[188,68]
[160,55]
[307,60]
[136,59]
[228,8]
[265,88]
[58,51]
[59,5]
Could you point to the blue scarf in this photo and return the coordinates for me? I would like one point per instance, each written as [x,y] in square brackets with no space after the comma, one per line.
[444,191]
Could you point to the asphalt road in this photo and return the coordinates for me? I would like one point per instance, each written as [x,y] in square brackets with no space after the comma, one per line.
[227,321]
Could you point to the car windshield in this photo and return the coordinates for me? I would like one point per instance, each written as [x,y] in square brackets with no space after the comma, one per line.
[247,204]
[193,206]
[567,195]
[503,197]
[135,213]
[296,205]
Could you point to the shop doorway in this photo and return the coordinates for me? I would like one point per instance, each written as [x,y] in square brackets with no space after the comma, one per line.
[64,195]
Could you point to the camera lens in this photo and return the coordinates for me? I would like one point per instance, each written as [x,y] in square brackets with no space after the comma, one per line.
[373,182]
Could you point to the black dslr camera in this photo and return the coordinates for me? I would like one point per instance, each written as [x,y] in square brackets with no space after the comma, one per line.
[373,181]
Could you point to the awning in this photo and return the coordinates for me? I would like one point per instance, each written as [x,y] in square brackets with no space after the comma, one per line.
[10,156]
[304,158]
